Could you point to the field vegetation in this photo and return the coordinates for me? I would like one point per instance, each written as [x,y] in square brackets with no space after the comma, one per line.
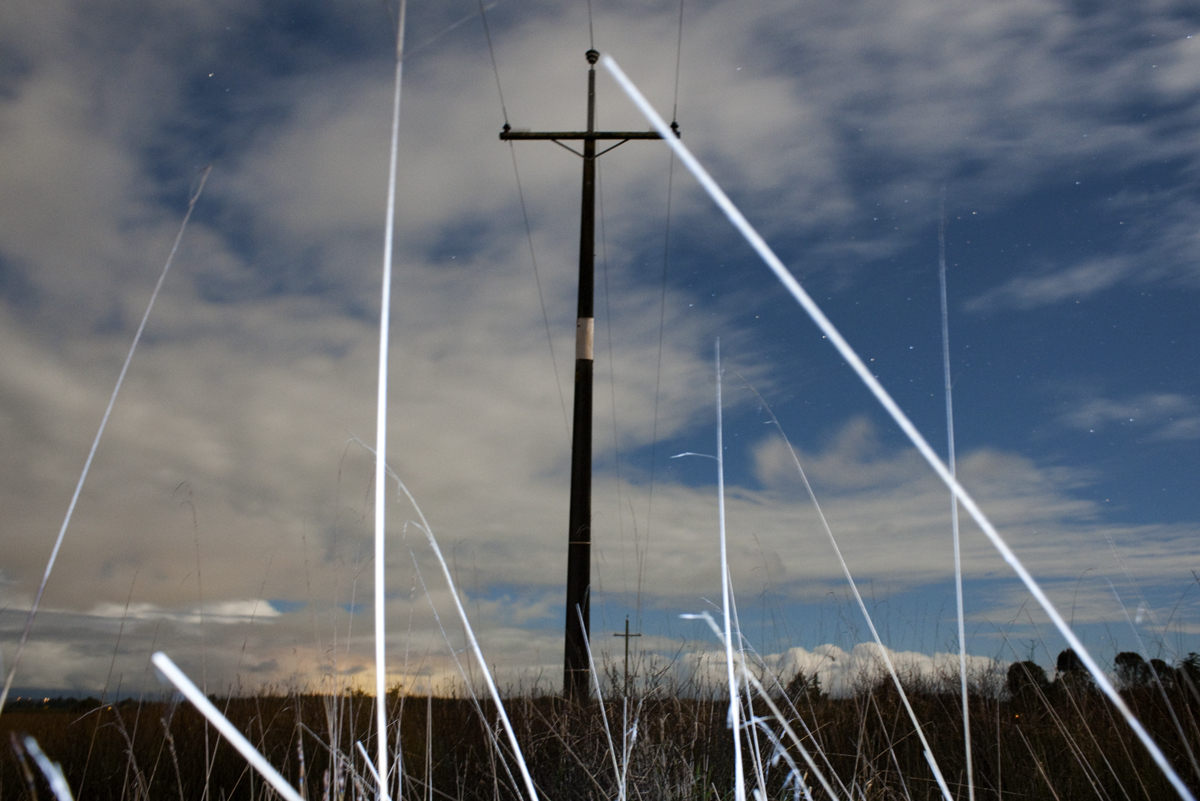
[1034,735]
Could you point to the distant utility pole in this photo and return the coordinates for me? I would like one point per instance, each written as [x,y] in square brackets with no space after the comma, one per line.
[579,531]
[627,635]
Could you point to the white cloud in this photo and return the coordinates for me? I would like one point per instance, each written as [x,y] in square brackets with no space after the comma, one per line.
[220,613]
[1165,416]
[842,672]
[229,454]
[1077,282]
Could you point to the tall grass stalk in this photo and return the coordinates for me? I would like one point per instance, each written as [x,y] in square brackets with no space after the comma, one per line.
[775,711]
[628,738]
[367,761]
[107,679]
[222,724]
[883,651]
[423,524]
[87,465]
[429,740]
[780,752]
[51,770]
[612,749]
[1060,724]
[950,463]
[1158,682]
[798,717]
[889,404]
[381,424]
[735,703]
[746,694]
[467,682]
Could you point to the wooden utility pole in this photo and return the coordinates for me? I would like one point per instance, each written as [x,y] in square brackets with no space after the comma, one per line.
[627,635]
[579,528]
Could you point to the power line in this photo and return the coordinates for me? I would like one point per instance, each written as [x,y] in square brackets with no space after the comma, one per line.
[662,311]
[459,22]
[612,373]
[662,324]
[537,278]
[678,53]
[487,31]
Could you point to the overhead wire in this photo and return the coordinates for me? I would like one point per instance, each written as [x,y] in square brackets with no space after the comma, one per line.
[678,55]
[537,278]
[487,32]
[452,26]
[662,314]
[612,374]
[612,381]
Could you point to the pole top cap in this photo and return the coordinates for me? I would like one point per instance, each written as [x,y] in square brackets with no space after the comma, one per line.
[593,56]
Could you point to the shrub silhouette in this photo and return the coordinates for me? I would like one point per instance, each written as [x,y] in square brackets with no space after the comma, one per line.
[1132,671]
[1025,679]
[1071,671]
[803,687]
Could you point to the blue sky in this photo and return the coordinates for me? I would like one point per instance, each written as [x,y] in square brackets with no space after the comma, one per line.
[1062,133]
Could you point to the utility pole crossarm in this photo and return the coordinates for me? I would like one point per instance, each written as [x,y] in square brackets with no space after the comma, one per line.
[509,135]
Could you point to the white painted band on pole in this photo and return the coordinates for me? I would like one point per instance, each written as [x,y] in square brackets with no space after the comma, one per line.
[585,331]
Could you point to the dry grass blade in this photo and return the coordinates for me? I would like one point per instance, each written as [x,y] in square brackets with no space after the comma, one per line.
[62,532]
[51,770]
[222,724]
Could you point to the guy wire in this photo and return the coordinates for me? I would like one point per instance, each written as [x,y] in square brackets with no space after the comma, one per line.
[487,31]
[662,312]
[612,374]
[525,217]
